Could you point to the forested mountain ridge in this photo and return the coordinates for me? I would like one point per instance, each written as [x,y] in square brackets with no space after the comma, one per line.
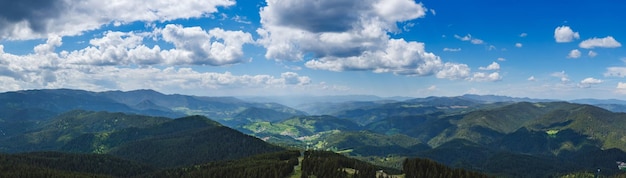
[26,107]
[156,141]
[480,133]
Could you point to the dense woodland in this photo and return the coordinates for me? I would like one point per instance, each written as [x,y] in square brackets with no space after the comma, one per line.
[418,167]
[279,164]
[329,164]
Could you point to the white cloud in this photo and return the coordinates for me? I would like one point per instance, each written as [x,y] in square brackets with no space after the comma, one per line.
[454,71]
[30,71]
[241,19]
[73,17]
[621,87]
[592,54]
[485,77]
[477,41]
[519,45]
[399,57]
[292,78]
[432,88]
[531,78]
[469,38]
[574,54]
[587,82]
[606,42]
[452,49]
[561,75]
[108,63]
[523,35]
[195,46]
[463,38]
[501,59]
[192,46]
[615,72]
[492,66]
[350,35]
[564,34]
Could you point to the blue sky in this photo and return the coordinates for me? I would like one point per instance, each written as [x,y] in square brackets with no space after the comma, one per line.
[540,49]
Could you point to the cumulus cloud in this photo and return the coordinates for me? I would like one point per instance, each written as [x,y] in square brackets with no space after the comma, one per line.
[606,42]
[29,19]
[106,62]
[492,66]
[615,72]
[192,46]
[292,78]
[519,45]
[523,35]
[592,54]
[573,54]
[400,57]
[564,34]
[48,70]
[561,75]
[195,46]
[501,59]
[454,71]
[452,49]
[531,78]
[348,35]
[486,77]
[587,82]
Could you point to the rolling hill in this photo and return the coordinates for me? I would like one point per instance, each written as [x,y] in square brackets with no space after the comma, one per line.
[156,141]
[27,107]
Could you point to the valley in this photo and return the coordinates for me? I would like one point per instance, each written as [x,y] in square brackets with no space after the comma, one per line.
[162,135]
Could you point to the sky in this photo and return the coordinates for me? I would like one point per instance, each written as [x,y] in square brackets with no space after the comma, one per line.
[556,49]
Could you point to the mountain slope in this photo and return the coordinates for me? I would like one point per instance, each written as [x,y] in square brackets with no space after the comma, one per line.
[56,164]
[220,108]
[156,141]
[300,126]
[68,126]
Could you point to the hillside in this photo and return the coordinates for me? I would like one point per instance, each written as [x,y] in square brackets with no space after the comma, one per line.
[301,126]
[155,141]
[57,164]
[491,134]
[25,108]
[60,130]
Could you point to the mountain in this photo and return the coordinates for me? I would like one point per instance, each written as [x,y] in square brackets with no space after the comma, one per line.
[156,141]
[219,108]
[497,99]
[301,126]
[366,143]
[327,108]
[599,101]
[295,101]
[613,105]
[68,126]
[184,141]
[42,104]
[25,108]
[254,114]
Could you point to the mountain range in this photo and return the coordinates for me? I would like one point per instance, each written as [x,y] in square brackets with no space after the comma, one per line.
[497,135]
